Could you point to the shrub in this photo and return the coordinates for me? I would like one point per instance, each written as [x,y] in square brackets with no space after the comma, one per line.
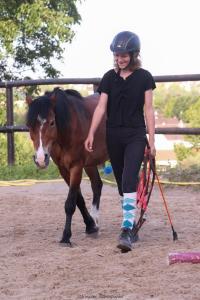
[23,149]
[181,152]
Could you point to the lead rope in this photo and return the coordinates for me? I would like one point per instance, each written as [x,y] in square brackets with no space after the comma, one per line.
[145,187]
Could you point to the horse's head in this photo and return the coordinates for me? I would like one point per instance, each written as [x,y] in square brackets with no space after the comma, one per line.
[42,127]
[56,118]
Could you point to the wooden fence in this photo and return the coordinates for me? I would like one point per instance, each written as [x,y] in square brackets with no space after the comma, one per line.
[10,128]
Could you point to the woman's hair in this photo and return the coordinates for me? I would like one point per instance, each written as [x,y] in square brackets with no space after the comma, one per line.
[135,62]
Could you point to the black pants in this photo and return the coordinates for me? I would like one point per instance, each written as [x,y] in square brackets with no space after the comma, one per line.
[126,151]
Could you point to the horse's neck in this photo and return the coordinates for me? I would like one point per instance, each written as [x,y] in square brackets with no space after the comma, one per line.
[80,123]
[77,127]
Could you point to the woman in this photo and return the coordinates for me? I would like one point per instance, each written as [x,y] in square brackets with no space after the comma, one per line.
[126,97]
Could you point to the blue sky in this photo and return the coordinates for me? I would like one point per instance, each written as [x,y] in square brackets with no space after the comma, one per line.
[168,29]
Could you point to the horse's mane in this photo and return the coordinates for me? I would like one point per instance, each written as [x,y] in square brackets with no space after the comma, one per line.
[72,92]
[64,101]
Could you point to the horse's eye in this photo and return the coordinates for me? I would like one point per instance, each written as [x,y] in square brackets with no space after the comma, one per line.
[52,123]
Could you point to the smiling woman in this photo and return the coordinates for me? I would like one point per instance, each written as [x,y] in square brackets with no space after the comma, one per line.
[125,92]
[122,60]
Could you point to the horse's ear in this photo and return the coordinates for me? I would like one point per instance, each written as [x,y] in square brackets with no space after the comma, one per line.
[53,99]
[28,99]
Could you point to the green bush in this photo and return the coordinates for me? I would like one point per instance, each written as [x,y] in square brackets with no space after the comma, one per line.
[24,167]
[29,171]
[192,161]
[181,152]
[23,149]
[2,109]
[187,170]
[181,173]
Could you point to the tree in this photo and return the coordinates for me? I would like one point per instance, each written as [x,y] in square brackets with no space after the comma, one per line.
[32,33]
[192,116]
[175,100]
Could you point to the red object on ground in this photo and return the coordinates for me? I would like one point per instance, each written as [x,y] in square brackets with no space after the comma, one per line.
[184,257]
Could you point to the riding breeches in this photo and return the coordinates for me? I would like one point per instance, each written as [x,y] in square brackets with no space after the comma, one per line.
[126,148]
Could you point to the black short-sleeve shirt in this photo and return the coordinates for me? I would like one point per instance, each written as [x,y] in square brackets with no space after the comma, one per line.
[126,97]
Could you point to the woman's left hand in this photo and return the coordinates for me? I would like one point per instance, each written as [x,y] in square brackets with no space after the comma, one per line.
[152,149]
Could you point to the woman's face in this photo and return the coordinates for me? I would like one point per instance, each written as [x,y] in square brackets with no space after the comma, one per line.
[122,60]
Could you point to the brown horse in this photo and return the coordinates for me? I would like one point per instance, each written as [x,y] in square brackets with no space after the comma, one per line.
[59,123]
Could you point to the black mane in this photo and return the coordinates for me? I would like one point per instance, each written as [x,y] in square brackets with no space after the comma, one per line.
[64,101]
[39,107]
[72,92]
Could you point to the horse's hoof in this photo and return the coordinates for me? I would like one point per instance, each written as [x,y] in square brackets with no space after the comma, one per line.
[66,243]
[124,251]
[92,229]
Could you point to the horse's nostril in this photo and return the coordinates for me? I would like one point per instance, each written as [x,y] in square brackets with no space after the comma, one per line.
[46,159]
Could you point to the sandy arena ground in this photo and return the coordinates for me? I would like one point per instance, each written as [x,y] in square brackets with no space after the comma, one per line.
[34,266]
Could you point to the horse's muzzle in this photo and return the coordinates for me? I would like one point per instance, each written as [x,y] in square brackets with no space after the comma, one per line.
[44,164]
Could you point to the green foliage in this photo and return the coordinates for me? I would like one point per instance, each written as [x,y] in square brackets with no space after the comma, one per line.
[175,100]
[192,114]
[2,109]
[3,149]
[192,161]
[24,167]
[187,170]
[33,32]
[28,171]
[20,106]
[23,149]
[181,152]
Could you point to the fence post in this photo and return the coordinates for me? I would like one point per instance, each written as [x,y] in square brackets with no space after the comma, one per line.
[95,87]
[10,121]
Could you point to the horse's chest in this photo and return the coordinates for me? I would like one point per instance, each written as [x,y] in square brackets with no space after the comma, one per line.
[67,159]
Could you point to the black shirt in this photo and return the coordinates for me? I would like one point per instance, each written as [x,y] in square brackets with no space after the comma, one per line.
[126,97]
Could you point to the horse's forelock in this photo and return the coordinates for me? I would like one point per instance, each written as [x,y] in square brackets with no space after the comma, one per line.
[62,104]
[39,108]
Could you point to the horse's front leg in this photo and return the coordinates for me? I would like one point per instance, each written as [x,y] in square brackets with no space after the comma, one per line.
[70,206]
[70,203]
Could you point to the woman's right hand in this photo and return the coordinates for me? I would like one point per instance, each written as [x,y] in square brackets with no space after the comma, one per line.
[89,143]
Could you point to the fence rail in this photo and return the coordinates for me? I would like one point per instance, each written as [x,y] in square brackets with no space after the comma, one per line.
[159,130]
[10,128]
[94,81]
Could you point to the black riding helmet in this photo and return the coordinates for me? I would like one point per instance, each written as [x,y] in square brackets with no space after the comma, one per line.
[125,41]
